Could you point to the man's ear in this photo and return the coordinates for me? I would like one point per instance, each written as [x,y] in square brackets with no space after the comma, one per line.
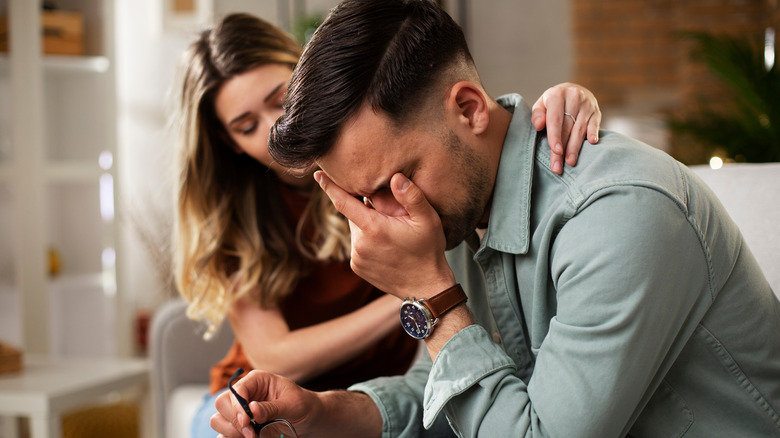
[467,103]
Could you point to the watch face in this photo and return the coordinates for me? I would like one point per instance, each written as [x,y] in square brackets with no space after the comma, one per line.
[414,320]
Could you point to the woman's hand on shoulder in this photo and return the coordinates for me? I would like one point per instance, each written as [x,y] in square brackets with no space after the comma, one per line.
[569,112]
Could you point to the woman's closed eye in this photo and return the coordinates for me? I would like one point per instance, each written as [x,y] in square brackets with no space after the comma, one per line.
[249,129]
[245,127]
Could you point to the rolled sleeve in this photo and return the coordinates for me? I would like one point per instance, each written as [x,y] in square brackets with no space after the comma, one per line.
[465,359]
[400,400]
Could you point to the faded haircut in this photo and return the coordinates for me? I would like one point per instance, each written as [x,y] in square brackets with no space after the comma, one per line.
[389,54]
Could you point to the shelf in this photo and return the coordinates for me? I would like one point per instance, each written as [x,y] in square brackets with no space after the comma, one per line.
[90,284]
[73,171]
[66,64]
[84,64]
[57,130]
[69,282]
[63,171]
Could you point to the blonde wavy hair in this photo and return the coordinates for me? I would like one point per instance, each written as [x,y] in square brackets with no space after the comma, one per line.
[232,235]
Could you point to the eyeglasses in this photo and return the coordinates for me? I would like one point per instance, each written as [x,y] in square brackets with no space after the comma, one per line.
[279,428]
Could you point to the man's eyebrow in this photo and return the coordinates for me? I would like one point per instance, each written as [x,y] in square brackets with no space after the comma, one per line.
[267,98]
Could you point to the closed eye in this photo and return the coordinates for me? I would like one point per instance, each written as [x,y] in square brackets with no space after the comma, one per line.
[249,129]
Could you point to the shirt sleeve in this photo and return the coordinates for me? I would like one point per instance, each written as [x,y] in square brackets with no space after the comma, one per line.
[630,279]
[399,399]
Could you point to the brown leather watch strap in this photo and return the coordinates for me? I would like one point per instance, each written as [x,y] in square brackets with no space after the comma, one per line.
[446,300]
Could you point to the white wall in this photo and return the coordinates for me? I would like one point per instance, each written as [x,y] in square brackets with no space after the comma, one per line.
[146,58]
[520,46]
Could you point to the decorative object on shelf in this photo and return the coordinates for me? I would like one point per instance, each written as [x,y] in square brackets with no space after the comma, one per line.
[141,323]
[750,129]
[10,359]
[186,15]
[63,32]
[55,261]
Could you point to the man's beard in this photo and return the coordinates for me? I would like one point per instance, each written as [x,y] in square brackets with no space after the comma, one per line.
[461,220]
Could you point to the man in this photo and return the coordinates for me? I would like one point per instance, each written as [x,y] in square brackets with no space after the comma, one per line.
[618,299]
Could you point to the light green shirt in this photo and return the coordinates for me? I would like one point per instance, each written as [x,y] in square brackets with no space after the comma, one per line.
[618,299]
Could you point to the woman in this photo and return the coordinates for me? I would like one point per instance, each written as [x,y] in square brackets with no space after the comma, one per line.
[262,245]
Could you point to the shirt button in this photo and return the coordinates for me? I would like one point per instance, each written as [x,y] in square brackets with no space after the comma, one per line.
[496,338]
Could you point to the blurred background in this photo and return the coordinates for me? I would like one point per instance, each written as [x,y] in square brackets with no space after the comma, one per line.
[86,180]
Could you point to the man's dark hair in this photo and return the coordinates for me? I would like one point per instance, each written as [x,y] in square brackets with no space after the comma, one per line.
[386,53]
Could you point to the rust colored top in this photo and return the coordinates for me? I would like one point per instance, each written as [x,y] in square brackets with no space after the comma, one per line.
[329,291]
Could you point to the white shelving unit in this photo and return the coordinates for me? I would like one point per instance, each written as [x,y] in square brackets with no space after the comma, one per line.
[57,184]
[66,64]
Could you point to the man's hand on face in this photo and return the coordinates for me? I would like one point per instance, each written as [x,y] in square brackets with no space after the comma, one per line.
[398,245]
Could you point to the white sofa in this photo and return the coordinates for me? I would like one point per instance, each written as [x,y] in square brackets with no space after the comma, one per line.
[751,194]
[182,359]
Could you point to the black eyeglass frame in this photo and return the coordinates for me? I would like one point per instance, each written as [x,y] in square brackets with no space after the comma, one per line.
[245,405]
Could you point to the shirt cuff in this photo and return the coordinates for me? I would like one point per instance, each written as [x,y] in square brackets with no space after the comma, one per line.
[465,359]
[378,390]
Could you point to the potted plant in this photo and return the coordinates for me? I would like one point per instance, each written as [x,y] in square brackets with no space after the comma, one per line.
[750,129]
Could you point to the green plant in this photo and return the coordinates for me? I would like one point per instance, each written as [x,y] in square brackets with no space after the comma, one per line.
[304,26]
[750,130]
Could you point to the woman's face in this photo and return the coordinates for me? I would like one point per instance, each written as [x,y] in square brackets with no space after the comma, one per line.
[248,105]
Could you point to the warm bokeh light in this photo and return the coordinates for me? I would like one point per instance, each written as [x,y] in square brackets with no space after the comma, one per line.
[769,48]
[106,160]
[107,197]
[716,162]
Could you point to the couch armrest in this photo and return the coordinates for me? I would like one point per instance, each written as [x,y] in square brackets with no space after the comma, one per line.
[180,355]
[751,195]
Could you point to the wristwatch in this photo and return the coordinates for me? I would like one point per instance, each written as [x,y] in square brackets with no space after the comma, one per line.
[418,317]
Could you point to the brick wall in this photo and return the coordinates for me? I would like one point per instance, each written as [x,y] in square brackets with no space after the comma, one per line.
[627,52]
[623,45]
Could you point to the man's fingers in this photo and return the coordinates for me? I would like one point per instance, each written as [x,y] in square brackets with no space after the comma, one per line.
[224,427]
[230,419]
[264,411]
[411,197]
[352,208]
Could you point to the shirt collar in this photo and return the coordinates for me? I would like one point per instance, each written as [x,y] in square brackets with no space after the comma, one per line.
[509,225]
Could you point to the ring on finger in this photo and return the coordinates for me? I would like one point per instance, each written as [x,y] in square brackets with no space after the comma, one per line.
[572,117]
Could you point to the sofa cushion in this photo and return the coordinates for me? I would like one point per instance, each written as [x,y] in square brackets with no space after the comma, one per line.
[751,195]
[183,402]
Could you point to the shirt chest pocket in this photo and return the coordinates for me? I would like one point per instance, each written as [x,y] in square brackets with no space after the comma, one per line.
[666,415]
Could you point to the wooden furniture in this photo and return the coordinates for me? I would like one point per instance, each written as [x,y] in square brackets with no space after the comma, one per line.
[46,387]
